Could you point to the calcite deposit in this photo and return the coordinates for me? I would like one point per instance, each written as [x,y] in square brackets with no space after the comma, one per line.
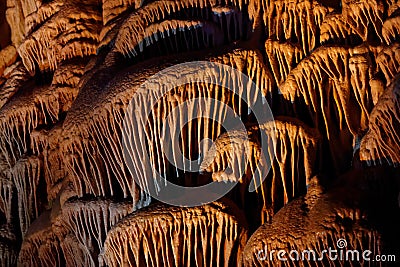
[74,191]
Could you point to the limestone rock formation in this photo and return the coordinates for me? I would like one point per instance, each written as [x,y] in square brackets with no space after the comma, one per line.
[297,150]
[74,191]
[309,225]
[211,235]
[380,145]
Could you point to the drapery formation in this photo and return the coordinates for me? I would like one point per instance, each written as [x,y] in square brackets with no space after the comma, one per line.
[69,70]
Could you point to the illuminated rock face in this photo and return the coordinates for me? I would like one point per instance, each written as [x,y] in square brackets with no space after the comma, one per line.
[211,235]
[329,70]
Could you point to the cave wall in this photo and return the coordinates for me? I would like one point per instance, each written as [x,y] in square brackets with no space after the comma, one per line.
[69,70]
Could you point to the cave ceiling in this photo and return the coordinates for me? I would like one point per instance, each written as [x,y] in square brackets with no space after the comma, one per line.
[76,188]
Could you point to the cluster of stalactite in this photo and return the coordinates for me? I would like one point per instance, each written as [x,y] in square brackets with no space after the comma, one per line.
[72,234]
[297,149]
[71,70]
[158,235]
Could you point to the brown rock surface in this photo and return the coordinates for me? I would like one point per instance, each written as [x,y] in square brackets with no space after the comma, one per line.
[69,70]
[312,223]
[210,235]
[297,148]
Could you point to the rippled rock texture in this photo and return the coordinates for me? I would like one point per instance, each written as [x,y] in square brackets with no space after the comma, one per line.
[329,70]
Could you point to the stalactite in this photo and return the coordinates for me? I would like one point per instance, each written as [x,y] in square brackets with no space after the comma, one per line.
[227,18]
[196,34]
[8,249]
[112,8]
[44,12]
[132,31]
[310,22]
[230,150]
[18,122]
[332,88]
[66,80]
[360,75]
[104,127]
[298,20]
[313,222]
[335,28]
[250,62]
[282,58]
[393,6]
[75,253]
[345,68]
[26,174]
[211,235]
[41,246]
[46,143]
[388,62]
[16,75]
[377,89]
[381,144]
[364,17]
[90,220]
[71,32]
[391,29]
[32,108]
[8,255]
[6,196]
[49,242]
[64,179]
[297,147]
